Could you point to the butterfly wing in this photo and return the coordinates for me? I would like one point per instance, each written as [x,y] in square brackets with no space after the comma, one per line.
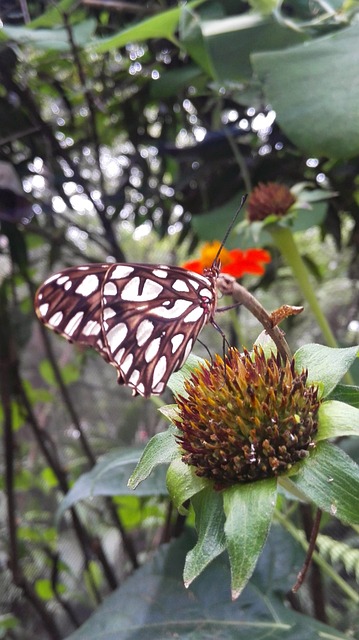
[143,319]
[70,304]
[152,316]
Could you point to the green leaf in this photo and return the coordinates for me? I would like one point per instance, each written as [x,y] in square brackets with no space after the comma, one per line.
[170,83]
[330,479]
[182,482]
[231,41]
[264,6]
[307,218]
[345,393]
[162,25]
[249,510]
[177,379]
[17,415]
[47,373]
[53,16]
[208,508]
[7,621]
[325,365]
[109,477]
[69,372]
[44,590]
[209,226]
[153,604]
[161,449]
[314,91]
[337,419]
[192,40]
[169,411]
[52,39]
[49,478]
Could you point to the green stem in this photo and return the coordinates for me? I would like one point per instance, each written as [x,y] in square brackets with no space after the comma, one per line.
[286,244]
[284,241]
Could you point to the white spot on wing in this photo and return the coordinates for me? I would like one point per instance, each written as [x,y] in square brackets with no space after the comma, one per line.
[180,285]
[126,364]
[119,355]
[88,285]
[151,290]
[199,276]
[194,315]
[43,308]
[108,313]
[91,328]
[159,371]
[56,318]
[68,285]
[194,284]
[188,350]
[134,377]
[158,388]
[110,289]
[179,307]
[206,293]
[160,273]
[140,388]
[152,349]
[116,336]
[62,280]
[83,268]
[144,331]
[55,277]
[177,341]
[121,271]
[73,324]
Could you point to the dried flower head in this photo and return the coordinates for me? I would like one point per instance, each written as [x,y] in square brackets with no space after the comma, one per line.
[269,199]
[246,418]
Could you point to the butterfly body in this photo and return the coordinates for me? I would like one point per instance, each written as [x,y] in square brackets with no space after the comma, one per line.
[142,318]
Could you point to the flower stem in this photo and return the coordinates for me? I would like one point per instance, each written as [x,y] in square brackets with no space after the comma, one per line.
[284,241]
[286,244]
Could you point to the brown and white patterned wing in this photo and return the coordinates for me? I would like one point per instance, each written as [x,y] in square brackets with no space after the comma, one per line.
[70,304]
[143,319]
[152,315]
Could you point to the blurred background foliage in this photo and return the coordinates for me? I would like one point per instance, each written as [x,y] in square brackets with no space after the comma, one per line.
[129,132]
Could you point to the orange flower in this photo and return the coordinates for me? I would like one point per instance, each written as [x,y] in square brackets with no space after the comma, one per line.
[235,262]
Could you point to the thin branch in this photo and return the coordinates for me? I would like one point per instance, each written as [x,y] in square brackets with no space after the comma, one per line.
[228,286]
[308,559]
[7,363]
[55,151]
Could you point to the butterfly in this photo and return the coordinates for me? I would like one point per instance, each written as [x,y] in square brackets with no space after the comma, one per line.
[142,318]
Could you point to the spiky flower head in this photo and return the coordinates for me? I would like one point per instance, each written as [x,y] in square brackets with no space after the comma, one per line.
[269,199]
[246,418]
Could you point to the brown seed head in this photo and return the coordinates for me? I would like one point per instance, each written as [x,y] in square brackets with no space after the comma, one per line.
[269,199]
[247,418]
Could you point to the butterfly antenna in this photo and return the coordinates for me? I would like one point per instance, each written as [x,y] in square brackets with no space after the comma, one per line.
[244,198]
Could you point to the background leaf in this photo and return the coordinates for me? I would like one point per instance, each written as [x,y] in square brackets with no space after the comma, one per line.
[317,110]
[330,479]
[204,610]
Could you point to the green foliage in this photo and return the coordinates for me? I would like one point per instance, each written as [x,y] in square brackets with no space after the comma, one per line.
[134,136]
[205,609]
[340,553]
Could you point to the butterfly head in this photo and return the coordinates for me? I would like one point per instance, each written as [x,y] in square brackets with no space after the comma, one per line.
[214,270]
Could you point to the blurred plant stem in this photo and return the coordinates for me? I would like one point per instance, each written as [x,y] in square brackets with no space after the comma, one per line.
[285,242]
